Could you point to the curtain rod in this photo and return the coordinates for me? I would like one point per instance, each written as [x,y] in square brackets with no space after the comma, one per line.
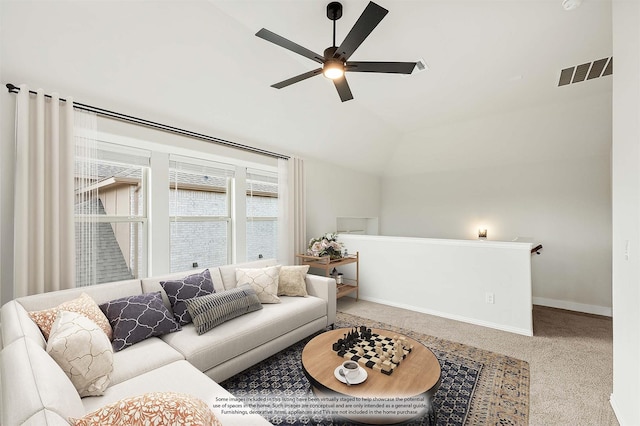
[159,126]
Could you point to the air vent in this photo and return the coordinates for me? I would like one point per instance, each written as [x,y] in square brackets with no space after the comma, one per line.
[588,71]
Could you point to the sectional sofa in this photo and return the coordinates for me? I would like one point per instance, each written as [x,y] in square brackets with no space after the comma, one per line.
[36,391]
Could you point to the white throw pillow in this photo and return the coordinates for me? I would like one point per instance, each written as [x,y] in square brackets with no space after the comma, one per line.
[263,280]
[83,351]
[292,281]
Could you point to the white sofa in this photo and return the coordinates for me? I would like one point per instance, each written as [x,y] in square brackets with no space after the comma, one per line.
[35,391]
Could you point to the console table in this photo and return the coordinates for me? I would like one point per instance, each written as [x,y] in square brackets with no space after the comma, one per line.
[348,285]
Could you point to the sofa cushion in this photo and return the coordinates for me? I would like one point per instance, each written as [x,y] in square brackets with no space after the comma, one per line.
[292,280]
[188,287]
[83,304]
[164,379]
[138,317]
[100,293]
[263,280]
[142,357]
[153,408]
[249,331]
[82,351]
[214,309]
[152,284]
[33,385]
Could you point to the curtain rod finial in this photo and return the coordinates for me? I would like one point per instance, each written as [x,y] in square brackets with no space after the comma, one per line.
[12,87]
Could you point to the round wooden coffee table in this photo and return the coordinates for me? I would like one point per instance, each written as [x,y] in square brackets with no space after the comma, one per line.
[417,376]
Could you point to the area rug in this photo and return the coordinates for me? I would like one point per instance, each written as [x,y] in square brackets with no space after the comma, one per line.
[478,387]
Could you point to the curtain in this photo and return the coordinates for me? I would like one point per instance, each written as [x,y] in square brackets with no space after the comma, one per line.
[44,247]
[292,209]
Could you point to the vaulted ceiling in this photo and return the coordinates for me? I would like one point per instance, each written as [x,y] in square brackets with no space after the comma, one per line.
[199,65]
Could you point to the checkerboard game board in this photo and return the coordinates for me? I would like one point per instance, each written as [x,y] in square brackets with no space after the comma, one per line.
[369,358]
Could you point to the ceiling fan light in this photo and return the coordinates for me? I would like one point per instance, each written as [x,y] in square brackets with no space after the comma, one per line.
[333,70]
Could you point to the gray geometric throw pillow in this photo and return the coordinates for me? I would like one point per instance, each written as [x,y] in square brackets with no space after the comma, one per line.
[191,286]
[214,309]
[138,317]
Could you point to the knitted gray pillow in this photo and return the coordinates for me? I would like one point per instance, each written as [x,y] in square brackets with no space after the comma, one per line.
[214,309]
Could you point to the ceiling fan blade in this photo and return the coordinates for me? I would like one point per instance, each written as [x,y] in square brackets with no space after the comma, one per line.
[289,45]
[369,19]
[297,78]
[387,67]
[343,89]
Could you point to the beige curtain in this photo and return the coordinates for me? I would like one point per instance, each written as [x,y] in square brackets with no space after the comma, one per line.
[292,219]
[44,248]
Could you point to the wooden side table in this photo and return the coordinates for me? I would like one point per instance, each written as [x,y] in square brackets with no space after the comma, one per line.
[325,263]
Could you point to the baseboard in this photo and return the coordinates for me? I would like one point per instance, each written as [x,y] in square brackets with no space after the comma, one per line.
[616,411]
[460,318]
[574,306]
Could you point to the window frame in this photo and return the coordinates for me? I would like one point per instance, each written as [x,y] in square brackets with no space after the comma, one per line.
[143,262]
[156,222]
[228,219]
[250,173]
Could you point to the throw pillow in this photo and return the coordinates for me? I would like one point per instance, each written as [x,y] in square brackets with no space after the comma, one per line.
[214,309]
[291,281]
[191,286]
[154,408]
[263,280]
[83,305]
[82,351]
[138,317]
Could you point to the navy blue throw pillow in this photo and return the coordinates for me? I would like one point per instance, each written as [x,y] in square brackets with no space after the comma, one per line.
[135,318]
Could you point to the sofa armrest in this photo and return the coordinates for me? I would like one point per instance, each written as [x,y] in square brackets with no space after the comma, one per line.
[16,323]
[324,288]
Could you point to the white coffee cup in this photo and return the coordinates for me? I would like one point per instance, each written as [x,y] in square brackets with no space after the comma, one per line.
[351,369]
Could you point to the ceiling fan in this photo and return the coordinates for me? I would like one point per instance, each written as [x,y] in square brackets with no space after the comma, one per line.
[335,61]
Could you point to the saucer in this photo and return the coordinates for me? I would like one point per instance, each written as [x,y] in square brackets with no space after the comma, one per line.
[362,376]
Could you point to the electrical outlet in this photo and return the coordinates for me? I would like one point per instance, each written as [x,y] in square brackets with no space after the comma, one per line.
[490,298]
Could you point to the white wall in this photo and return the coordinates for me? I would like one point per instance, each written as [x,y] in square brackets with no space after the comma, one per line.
[626,212]
[448,278]
[334,191]
[454,183]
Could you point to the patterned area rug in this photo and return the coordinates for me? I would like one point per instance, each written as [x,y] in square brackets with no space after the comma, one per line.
[478,387]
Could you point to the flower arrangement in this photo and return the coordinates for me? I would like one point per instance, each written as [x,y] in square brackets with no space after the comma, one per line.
[327,245]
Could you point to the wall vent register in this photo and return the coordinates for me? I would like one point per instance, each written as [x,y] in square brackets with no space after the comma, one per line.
[586,71]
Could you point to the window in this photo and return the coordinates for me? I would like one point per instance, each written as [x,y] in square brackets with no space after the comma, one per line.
[200,213]
[110,212]
[262,214]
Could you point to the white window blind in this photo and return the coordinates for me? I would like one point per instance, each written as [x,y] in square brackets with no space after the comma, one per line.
[110,211]
[262,214]
[200,213]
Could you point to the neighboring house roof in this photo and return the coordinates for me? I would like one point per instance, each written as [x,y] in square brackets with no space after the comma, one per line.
[110,264]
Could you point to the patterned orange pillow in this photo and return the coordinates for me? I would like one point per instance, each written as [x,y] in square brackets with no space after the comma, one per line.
[155,408]
[83,305]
